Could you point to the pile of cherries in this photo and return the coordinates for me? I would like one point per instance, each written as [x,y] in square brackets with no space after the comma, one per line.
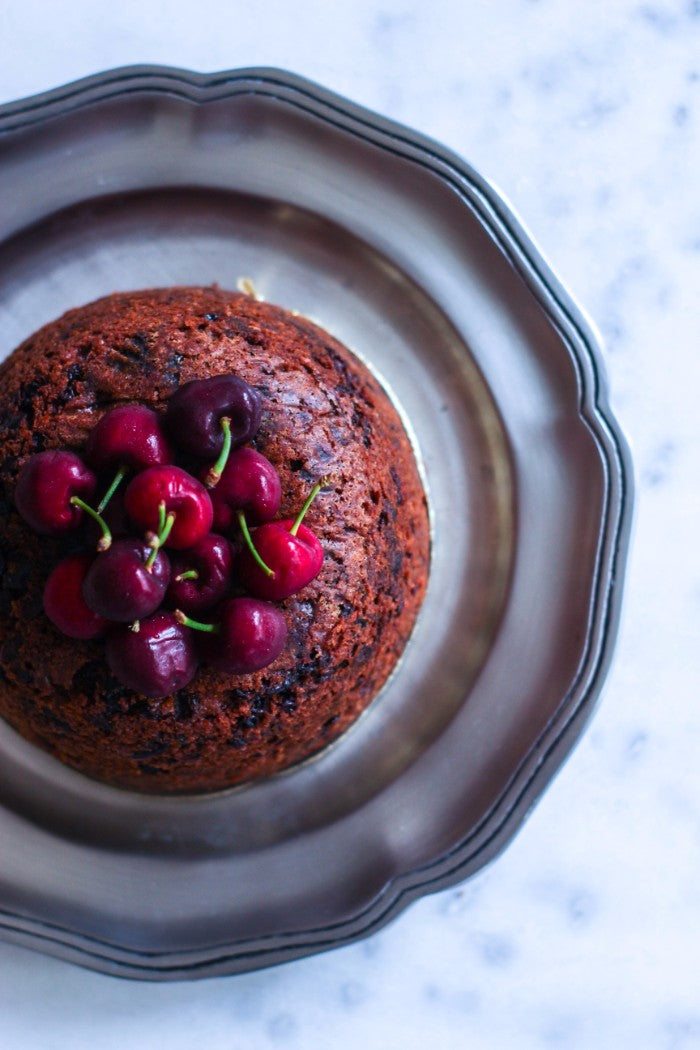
[163,557]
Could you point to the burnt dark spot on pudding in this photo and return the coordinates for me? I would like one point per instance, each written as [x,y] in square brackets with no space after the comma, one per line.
[186,705]
[155,746]
[75,374]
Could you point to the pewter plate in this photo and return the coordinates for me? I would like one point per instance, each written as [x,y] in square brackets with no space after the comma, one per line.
[151,176]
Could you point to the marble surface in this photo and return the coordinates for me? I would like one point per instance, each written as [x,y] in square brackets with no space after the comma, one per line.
[584,932]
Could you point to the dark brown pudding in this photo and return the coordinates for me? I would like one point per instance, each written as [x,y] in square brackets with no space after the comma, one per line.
[324,415]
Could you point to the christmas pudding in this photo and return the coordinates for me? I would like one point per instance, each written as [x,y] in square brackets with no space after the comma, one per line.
[214,539]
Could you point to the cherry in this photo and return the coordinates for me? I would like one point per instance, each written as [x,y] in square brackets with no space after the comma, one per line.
[250,634]
[201,576]
[156,659]
[283,557]
[127,582]
[128,437]
[170,503]
[49,491]
[207,416]
[293,560]
[64,603]
[250,483]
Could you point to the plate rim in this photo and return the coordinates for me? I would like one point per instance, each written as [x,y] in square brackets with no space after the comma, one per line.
[584,344]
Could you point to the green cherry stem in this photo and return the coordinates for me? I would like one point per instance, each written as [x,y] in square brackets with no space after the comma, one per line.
[196,625]
[251,546]
[118,478]
[217,469]
[165,524]
[302,513]
[105,541]
[190,574]
[169,522]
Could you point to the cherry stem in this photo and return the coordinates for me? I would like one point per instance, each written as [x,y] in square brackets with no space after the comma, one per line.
[105,541]
[118,478]
[302,513]
[251,546]
[165,524]
[196,625]
[217,469]
[169,522]
[191,574]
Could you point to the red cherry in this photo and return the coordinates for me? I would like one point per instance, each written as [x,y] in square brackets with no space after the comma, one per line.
[184,500]
[155,660]
[195,412]
[64,603]
[294,560]
[201,576]
[250,483]
[50,491]
[127,582]
[249,635]
[128,436]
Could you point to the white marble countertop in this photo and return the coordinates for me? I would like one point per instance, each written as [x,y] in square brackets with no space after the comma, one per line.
[584,932]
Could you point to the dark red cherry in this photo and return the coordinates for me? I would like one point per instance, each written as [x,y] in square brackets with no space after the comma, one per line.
[48,486]
[293,560]
[184,499]
[64,603]
[201,576]
[121,585]
[128,436]
[194,413]
[250,483]
[155,660]
[248,636]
